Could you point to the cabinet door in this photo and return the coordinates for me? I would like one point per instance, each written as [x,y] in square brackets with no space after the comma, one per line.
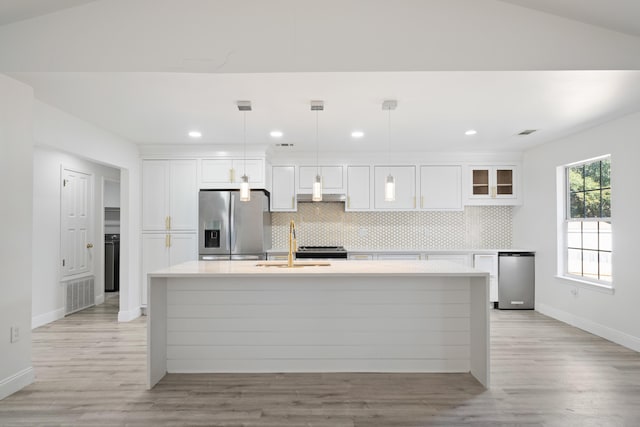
[493,185]
[441,187]
[254,168]
[283,185]
[155,195]
[217,172]
[489,264]
[155,256]
[407,257]
[360,257]
[332,178]
[462,259]
[183,195]
[358,188]
[405,179]
[183,248]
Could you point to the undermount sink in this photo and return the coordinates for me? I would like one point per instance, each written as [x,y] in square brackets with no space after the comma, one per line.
[284,264]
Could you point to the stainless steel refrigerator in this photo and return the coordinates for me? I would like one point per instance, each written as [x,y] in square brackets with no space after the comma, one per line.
[233,230]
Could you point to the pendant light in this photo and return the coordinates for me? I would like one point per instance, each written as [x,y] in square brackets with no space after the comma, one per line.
[245,190]
[390,183]
[316,194]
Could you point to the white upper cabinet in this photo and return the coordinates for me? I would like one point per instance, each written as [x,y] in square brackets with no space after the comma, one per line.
[493,185]
[441,187]
[332,178]
[405,179]
[227,173]
[169,195]
[358,188]
[283,189]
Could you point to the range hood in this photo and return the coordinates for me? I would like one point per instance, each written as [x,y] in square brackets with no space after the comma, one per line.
[304,198]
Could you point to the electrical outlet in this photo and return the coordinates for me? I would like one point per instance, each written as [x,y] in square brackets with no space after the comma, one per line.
[15,334]
[574,292]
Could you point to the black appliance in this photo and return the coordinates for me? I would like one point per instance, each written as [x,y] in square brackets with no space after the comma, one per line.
[111,262]
[321,252]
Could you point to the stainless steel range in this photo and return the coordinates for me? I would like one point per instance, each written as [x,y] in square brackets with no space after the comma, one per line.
[321,252]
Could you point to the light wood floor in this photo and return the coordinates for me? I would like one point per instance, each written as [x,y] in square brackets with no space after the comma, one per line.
[90,371]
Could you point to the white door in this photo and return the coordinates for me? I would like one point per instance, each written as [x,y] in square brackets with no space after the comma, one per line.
[76,232]
[155,195]
[283,189]
[358,189]
[183,195]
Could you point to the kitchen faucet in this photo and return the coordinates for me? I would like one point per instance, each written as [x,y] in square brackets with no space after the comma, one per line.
[292,243]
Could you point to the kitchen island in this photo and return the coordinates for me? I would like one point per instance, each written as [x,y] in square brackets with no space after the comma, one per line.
[350,316]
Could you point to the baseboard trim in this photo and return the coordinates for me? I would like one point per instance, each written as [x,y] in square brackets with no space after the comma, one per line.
[605,332]
[99,299]
[43,319]
[16,382]
[128,316]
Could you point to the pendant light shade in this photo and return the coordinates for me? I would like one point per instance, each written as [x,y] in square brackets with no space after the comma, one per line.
[390,189]
[245,190]
[316,194]
[390,184]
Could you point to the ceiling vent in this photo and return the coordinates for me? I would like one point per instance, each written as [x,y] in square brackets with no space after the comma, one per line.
[527,132]
[284,144]
[244,105]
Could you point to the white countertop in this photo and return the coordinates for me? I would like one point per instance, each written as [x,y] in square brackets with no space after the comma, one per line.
[418,251]
[337,268]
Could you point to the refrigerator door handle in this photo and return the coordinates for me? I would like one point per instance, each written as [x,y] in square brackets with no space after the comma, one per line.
[232,223]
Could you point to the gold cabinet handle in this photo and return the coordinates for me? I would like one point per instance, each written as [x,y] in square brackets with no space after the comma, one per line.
[232,175]
[167,241]
[89,245]
[414,202]
[349,202]
[421,202]
[167,223]
[493,192]
[293,202]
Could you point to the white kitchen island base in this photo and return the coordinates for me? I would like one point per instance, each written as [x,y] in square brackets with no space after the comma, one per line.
[353,316]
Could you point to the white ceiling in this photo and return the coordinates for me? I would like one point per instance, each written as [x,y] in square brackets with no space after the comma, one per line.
[151,70]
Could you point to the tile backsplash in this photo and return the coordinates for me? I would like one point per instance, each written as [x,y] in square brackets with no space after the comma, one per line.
[477,227]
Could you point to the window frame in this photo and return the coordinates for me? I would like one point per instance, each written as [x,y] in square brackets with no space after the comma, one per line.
[564,218]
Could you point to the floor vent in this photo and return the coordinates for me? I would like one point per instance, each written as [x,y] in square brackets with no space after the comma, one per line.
[80,295]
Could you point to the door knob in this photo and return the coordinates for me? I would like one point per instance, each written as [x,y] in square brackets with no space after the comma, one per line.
[89,245]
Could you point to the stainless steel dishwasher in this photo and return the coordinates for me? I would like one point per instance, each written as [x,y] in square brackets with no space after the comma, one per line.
[516,280]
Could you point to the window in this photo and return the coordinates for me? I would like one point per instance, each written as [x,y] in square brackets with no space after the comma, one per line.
[588,221]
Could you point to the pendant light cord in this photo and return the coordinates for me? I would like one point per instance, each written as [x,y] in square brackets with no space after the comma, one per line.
[244,143]
[317,147]
[389,137]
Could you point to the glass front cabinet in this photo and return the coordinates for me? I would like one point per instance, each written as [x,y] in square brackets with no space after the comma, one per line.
[492,182]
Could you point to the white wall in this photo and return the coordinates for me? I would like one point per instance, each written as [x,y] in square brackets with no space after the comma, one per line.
[112,194]
[48,293]
[56,129]
[15,227]
[614,316]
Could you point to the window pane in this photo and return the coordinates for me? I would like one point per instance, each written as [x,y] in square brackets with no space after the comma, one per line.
[605,236]
[592,176]
[606,204]
[590,235]
[590,264]
[592,204]
[576,181]
[574,262]
[577,205]
[574,234]
[605,266]
[606,173]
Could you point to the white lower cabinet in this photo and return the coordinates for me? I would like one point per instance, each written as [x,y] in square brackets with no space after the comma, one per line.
[489,264]
[463,259]
[160,250]
[407,256]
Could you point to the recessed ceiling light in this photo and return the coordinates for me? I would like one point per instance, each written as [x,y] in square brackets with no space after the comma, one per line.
[357,134]
[471,132]
[276,134]
[195,134]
